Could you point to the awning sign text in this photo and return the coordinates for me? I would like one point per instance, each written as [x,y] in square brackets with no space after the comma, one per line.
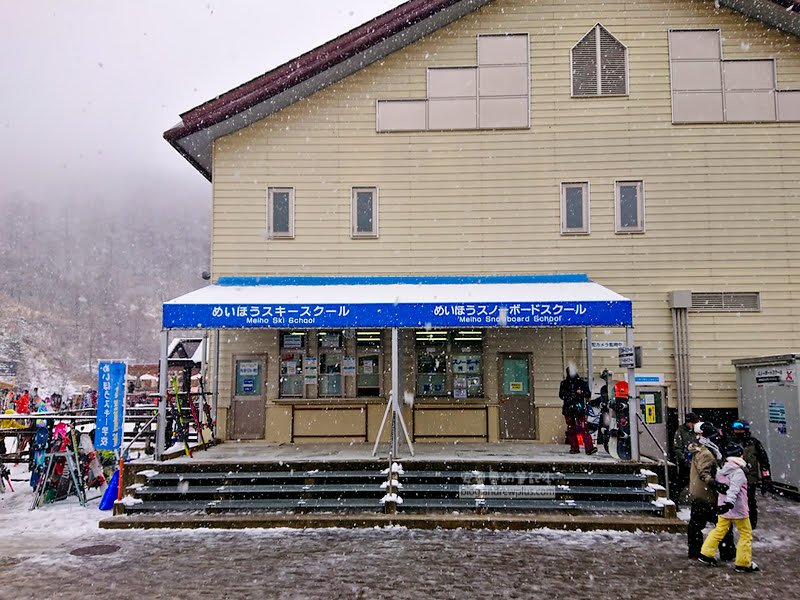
[493,314]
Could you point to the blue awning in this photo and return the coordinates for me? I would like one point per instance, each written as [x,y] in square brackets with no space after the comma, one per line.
[342,302]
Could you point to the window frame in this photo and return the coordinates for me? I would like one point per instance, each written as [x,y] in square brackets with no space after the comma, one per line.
[364,348]
[586,228]
[354,191]
[640,221]
[450,348]
[272,234]
[294,349]
[339,349]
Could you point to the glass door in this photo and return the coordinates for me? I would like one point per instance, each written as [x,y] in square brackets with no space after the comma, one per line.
[248,409]
[516,397]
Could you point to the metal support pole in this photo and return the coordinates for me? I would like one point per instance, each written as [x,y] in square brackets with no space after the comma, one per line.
[215,389]
[395,390]
[589,361]
[633,400]
[161,426]
[393,407]
[203,367]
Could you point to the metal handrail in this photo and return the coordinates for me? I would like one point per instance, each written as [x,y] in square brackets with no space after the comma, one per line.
[664,460]
[141,431]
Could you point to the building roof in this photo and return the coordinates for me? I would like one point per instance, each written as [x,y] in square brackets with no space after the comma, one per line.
[273,91]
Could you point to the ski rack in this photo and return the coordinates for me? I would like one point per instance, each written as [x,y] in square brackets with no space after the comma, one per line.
[77,480]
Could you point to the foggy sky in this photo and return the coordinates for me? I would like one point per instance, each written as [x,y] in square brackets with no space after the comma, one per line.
[89,86]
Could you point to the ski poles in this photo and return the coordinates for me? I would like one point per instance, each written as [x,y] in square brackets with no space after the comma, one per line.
[207,409]
[5,475]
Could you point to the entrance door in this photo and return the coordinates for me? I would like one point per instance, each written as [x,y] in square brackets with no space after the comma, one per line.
[516,397]
[653,406]
[248,410]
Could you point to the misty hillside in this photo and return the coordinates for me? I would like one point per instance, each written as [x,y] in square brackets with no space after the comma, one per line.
[84,279]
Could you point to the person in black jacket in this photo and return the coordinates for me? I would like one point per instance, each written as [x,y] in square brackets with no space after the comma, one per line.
[683,436]
[575,393]
[758,470]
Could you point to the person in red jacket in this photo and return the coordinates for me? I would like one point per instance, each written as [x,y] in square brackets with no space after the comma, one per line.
[23,404]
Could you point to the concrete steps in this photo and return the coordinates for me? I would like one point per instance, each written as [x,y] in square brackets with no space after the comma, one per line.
[430,494]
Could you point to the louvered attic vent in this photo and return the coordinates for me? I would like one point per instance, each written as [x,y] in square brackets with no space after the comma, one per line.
[726,302]
[599,65]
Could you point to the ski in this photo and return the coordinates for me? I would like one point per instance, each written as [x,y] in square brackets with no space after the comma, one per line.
[81,482]
[182,431]
[193,411]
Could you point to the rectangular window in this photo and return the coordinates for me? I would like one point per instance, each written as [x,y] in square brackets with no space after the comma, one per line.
[368,364]
[330,363]
[629,199]
[574,208]
[431,349]
[280,212]
[364,212]
[467,364]
[291,364]
[450,363]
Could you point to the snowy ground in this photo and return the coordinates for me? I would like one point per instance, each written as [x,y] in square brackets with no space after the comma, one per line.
[59,552]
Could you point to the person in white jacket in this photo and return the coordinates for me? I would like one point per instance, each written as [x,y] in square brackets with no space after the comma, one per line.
[732,509]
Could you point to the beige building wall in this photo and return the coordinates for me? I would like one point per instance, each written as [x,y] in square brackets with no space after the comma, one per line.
[444,419]
[720,200]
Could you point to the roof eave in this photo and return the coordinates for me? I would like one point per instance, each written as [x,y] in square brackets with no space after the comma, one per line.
[781,14]
[255,100]
[331,62]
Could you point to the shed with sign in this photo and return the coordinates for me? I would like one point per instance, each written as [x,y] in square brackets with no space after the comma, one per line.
[769,398]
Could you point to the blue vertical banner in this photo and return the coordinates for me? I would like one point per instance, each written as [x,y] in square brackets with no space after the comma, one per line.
[110,406]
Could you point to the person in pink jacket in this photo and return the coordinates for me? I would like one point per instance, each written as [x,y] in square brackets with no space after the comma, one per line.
[732,509]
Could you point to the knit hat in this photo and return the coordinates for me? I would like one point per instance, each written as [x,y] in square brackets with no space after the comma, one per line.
[707,429]
[733,449]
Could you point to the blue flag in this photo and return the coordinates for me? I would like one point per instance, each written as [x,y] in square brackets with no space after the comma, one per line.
[110,406]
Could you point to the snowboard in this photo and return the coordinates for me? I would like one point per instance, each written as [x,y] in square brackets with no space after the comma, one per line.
[57,486]
[619,443]
[597,421]
[39,450]
[94,470]
[111,493]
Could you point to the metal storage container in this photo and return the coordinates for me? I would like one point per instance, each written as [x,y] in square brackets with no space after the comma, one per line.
[769,398]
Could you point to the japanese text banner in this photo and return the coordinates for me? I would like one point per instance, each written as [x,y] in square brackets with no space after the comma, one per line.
[485,314]
[110,406]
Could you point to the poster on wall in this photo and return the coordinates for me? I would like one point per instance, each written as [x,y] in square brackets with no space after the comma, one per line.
[349,365]
[768,376]
[310,369]
[248,368]
[777,412]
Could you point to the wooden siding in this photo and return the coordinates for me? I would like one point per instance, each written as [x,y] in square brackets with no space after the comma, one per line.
[720,200]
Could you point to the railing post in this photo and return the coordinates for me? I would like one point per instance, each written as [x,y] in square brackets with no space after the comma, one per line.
[162,401]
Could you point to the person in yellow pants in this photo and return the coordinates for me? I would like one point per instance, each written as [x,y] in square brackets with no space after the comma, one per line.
[732,509]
